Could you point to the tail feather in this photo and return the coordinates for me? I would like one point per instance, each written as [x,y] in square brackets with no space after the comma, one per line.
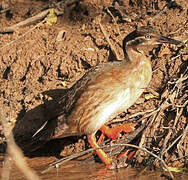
[34,129]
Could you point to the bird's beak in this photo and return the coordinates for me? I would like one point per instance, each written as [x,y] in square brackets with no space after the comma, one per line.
[164,39]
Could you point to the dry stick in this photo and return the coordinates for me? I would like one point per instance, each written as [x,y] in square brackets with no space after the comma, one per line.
[161,108]
[63,160]
[18,157]
[150,90]
[164,105]
[25,22]
[127,139]
[178,114]
[142,113]
[147,113]
[183,105]
[66,159]
[32,20]
[115,22]
[8,44]
[184,134]
[4,10]
[151,120]
[174,142]
[40,16]
[171,97]
[108,40]
[154,155]
[159,13]
[16,154]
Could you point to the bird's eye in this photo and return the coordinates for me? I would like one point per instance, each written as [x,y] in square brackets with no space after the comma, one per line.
[147,36]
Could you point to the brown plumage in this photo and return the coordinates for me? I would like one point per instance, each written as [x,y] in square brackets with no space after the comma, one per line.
[100,95]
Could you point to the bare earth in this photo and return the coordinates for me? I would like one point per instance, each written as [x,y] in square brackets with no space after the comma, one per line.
[36,67]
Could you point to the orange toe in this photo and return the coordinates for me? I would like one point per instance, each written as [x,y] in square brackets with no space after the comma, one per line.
[129,153]
[114,132]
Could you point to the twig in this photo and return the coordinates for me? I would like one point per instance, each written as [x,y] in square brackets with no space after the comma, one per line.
[147,114]
[115,22]
[159,13]
[4,10]
[161,108]
[172,95]
[25,22]
[154,155]
[108,40]
[33,19]
[174,142]
[21,36]
[15,153]
[66,159]
[183,105]
[58,8]
[184,136]
[63,160]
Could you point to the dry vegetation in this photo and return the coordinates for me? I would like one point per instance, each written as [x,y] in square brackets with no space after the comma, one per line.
[81,38]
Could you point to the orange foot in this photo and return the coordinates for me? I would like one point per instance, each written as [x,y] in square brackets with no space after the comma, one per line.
[128,153]
[114,133]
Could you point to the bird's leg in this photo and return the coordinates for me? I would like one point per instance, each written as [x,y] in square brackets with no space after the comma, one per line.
[102,155]
[114,132]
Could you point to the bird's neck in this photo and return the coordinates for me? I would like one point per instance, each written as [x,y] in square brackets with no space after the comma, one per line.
[131,53]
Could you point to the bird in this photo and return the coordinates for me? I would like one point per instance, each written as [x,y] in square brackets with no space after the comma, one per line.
[102,93]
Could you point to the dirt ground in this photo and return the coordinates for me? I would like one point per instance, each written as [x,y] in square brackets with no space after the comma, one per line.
[35,65]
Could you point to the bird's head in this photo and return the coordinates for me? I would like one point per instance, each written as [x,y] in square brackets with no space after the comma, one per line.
[145,36]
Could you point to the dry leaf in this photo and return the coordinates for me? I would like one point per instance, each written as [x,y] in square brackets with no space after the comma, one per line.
[63,83]
[174,169]
[51,17]
[149,96]
[164,52]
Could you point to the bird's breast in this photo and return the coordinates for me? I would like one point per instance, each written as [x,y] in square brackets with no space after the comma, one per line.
[110,93]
